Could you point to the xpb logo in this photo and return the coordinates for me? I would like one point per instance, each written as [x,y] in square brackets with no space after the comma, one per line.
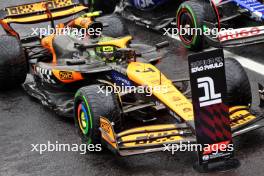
[210,97]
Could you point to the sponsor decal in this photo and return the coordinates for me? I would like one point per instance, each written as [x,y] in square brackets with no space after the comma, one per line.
[157,137]
[105,126]
[210,97]
[238,121]
[182,104]
[147,70]
[187,110]
[120,79]
[64,75]
[239,33]
[175,98]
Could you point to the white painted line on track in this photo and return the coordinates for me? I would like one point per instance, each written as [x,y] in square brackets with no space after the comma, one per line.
[245,62]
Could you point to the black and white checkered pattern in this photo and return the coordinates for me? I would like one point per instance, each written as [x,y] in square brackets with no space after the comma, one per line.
[46,75]
[37,7]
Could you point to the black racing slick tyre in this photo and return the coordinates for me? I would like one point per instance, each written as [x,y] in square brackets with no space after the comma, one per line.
[238,85]
[91,103]
[190,15]
[116,26]
[13,63]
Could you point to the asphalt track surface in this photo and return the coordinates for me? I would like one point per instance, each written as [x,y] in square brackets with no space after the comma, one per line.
[24,121]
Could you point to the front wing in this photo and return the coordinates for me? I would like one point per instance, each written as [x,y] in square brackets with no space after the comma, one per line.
[159,137]
[238,37]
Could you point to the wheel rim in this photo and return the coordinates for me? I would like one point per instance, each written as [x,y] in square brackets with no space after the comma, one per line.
[186,20]
[83,119]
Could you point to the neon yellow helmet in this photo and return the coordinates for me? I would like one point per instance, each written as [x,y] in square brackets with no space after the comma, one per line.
[106,52]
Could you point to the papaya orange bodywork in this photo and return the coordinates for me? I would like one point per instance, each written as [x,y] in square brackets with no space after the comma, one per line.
[47,43]
[8,28]
[121,43]
[67,76]
[81,22]
[108,133]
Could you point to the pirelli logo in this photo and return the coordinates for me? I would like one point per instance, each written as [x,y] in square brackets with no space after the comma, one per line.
[38,7]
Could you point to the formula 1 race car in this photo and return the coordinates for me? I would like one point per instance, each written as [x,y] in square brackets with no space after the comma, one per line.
[135,122]
[73,77]
[224,23]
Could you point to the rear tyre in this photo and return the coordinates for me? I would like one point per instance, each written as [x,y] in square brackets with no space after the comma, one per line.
[190,15]
[90,103]
[13,63]
[116,26]
[238,85]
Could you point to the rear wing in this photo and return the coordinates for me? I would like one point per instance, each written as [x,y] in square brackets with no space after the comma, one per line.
[38,12]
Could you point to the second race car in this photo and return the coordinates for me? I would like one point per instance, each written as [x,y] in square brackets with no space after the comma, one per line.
[226,23]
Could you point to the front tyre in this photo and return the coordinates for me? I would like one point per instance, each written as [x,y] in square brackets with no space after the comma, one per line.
[238,85]
[190,16]
[89,105]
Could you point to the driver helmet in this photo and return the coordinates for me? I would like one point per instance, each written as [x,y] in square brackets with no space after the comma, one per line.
[106,53]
